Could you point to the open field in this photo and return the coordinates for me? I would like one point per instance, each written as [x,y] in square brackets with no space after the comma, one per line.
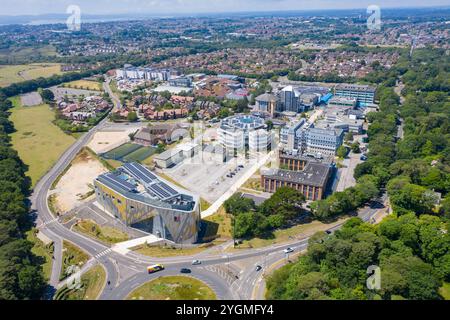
[37,140]
[10,74]
[105,234]
[92,282]
[72,256]
[104,141]
[173,288]
[83,84]
[75,185]
[219,225]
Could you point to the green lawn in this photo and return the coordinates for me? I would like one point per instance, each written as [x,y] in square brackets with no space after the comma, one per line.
[84,84]
[72,256]
[92,282]
[105,234]
[37,140]
[168,251]
[173,288]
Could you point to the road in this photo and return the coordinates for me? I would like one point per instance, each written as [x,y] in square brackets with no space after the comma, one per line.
[114,98]
[126,272]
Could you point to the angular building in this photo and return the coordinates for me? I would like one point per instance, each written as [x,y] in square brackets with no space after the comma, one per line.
[267,103]
[142,200]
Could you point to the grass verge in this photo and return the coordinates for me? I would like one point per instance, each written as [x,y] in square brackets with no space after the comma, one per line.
[72,256]
[92,283]
[42,251]
[105,234]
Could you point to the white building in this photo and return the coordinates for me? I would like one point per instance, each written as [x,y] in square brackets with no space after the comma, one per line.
[244,131]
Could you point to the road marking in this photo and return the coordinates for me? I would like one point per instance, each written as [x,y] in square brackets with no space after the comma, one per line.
[47,223]
[103,253]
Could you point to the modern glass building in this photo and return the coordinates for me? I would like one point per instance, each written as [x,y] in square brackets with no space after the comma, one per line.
[142,200]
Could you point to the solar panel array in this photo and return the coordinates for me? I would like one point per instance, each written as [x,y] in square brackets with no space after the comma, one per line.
[140,173]
[116,181]
[163,191]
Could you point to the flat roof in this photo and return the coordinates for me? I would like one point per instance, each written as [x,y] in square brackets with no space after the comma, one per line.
[355,87]
[314,174]
[134,181]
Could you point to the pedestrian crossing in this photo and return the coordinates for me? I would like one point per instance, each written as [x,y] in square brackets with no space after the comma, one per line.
[42,225]
[103,253]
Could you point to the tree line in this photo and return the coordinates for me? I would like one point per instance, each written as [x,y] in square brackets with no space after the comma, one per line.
[411,246]
[21,275]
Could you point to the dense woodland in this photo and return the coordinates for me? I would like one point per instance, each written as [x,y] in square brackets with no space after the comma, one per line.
[21,275]
[411,246]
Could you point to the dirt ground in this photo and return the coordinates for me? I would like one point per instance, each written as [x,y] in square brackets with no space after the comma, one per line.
[105,141]
[75,184]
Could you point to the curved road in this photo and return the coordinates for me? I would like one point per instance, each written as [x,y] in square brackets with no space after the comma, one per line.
[126,272]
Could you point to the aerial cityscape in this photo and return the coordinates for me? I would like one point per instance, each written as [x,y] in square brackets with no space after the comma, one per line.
[225,150]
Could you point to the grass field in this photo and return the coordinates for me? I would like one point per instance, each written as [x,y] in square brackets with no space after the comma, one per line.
[121,151]
[168,251]
[218,226]
[37,140]
[140,154]
[84,84]
[72,256]
[105,234]
[92,281]
[10,74]
[173,288]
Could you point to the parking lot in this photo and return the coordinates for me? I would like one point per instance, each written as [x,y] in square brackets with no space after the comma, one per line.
[210,179]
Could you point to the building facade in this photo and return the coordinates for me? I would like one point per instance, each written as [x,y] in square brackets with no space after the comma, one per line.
[141,199]
[364,94]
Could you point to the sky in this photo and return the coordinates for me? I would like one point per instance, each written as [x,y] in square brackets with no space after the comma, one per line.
[36,7]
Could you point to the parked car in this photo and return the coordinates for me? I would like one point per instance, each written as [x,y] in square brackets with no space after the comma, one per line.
[196,262]
[185,270]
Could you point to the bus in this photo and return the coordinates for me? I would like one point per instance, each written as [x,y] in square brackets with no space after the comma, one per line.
[155,268]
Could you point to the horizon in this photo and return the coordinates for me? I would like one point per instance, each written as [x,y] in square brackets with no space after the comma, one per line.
[187,7]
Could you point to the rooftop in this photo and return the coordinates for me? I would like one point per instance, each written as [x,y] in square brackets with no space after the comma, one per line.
[136,182]
[242,123]
[314,174]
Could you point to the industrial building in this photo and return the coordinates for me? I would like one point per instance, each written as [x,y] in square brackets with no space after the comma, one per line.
[141,199]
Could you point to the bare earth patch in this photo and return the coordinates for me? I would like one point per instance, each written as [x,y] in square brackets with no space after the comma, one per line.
[105,141]
[73,188]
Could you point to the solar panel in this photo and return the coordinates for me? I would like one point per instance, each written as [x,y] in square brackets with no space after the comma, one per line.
[156,189]
[169,189]
[115,181]
[139,172]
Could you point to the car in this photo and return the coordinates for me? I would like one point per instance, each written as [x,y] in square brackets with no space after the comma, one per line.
[155,268]
[258,268]
[241,166]
[363,158]
[196,262]
[329,232]
[185,270]
[288,250]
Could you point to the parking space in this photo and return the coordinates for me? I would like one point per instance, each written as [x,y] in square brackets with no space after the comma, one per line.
[210,179]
